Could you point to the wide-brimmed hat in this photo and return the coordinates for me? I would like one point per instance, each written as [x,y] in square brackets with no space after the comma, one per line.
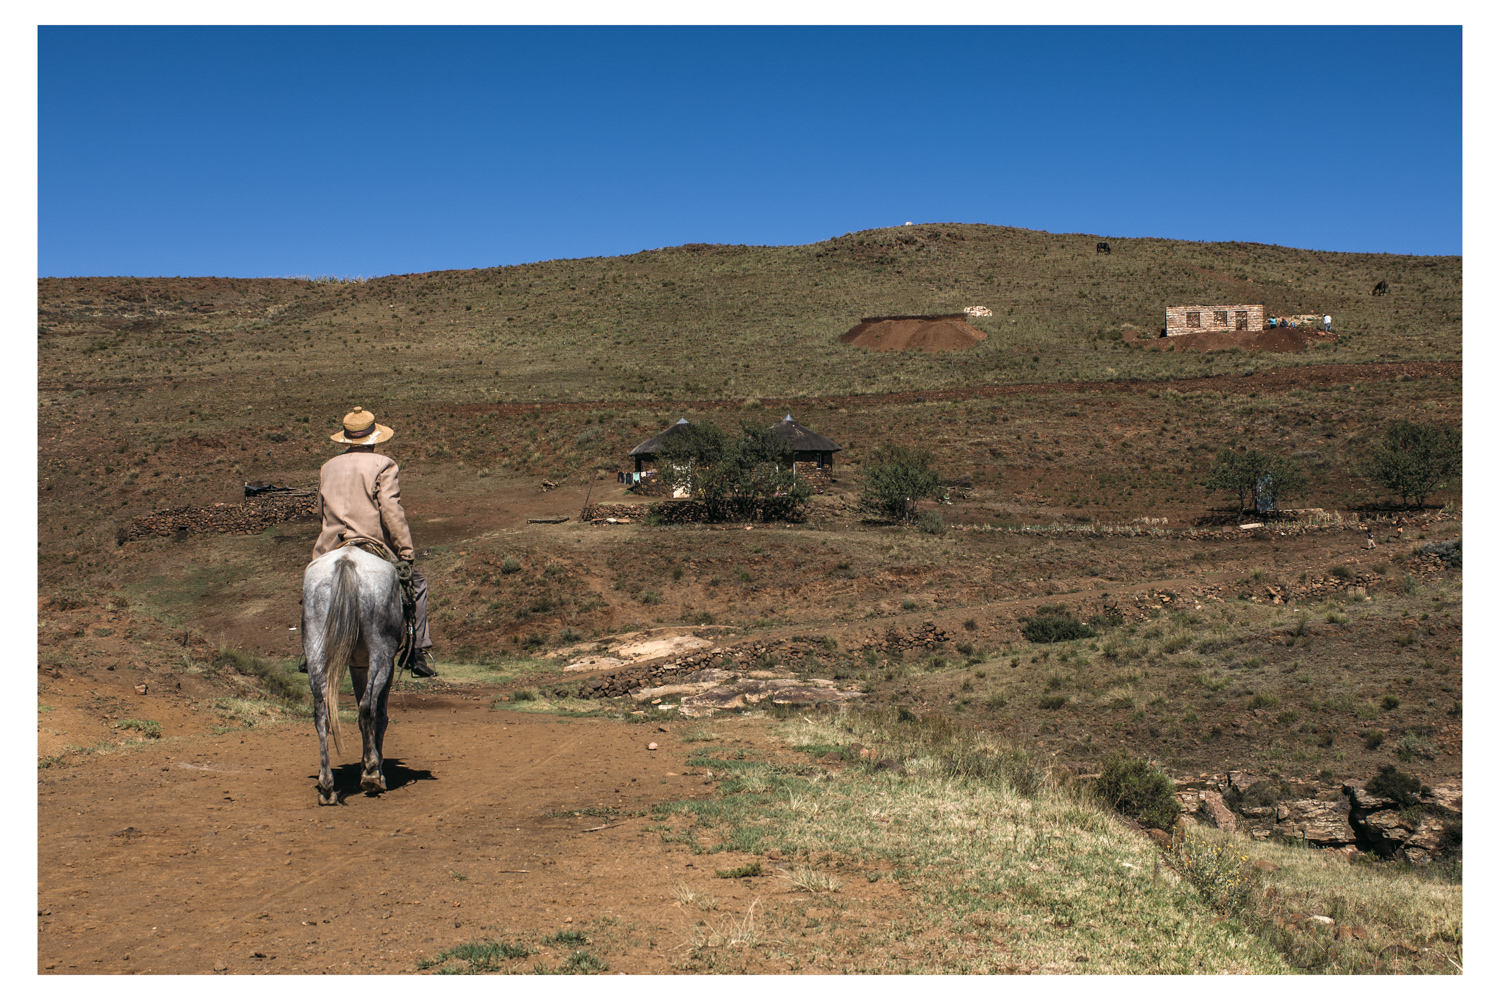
[360,428]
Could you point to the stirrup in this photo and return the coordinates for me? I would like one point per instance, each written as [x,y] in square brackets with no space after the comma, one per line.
[419,666]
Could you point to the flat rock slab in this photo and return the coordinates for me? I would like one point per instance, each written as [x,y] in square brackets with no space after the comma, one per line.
[741,692]
[672,645]
[593,663]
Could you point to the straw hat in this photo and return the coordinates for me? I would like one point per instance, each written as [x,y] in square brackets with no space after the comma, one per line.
[360,428]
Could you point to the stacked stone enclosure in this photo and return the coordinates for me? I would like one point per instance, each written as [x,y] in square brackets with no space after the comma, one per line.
[1182,320]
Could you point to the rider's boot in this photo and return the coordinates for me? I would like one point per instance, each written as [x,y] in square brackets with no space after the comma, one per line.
[302,665]
[420,664]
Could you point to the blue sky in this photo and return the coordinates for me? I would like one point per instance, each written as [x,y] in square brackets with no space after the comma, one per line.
[255,152]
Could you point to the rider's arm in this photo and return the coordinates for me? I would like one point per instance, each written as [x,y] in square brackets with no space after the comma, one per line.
[392,516]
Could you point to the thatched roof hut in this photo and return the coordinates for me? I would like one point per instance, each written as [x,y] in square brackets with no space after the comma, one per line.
[809,447]
[646,450]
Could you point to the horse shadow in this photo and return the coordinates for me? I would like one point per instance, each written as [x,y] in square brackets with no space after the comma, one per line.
[346,777]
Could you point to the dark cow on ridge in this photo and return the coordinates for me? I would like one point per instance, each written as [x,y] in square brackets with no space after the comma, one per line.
[1381,288]
[1101,247]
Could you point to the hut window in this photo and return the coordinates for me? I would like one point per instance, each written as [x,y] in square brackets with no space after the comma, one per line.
[1242,319]
[1194,319]
[1221,317]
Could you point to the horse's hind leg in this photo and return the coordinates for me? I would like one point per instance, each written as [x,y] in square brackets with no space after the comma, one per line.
[370,778]
[326,795]
[373,719]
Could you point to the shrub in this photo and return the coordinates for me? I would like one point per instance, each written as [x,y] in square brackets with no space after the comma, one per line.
[1450,553]
[1342,572]
[1452,840]
[896,478]
[1412,460]
[1052,702]
[1373,739]
[1410,745]
[1392,784]
[931,523]
[1261,478]
[1262,701]
[1262,793]
[523,694]
[1176,644]
[509,565]
[1108,617]
[1137,789]
[145,727]
[1220,873]
[1054,623]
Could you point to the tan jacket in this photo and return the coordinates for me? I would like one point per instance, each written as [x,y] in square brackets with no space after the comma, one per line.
[359,499]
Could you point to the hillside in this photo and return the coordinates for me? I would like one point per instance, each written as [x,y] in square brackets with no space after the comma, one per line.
[714,322]
[1279,666]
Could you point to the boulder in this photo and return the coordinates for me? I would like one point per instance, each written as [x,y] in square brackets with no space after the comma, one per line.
[1366,801]
[1315,821]
[1389,831]
[1211,806]
[1449,796]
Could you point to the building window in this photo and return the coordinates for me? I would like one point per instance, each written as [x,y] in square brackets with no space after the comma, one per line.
[1194,319]
[1221,317]
[1242,319]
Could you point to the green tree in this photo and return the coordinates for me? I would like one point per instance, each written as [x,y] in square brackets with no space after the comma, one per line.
[1411,460]
[754,476]
[1255,476]
[895,478]
[684,456]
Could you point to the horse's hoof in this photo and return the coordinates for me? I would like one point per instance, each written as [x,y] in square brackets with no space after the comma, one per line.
[373,782]
[329,798]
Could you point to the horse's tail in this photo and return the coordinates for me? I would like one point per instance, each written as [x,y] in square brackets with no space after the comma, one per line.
[340,635]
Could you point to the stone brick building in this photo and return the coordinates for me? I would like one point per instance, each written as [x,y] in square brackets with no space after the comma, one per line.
[1215,319]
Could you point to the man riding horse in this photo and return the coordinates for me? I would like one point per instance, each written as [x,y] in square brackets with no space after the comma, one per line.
[359,501]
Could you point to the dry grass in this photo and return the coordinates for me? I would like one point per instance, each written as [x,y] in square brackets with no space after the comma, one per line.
[811,880]
[691,897]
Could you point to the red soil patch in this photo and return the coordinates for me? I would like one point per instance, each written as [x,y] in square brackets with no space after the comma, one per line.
[1283,339]
[914,333]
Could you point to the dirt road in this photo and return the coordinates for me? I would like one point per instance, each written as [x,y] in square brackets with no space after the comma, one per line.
[210,854]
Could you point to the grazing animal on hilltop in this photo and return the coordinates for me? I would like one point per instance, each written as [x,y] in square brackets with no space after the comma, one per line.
[1101,247]
[351,611]
[1380,288]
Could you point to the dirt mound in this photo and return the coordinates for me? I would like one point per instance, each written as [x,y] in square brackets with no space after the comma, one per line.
[1282,340]
[914,333]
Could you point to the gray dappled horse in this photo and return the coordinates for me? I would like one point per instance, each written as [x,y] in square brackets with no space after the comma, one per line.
[351,619]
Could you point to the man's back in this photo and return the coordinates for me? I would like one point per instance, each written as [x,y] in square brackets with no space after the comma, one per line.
[359,498]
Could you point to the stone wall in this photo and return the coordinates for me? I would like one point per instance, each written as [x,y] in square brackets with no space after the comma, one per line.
[1214,319]
[818,479]
[251,517]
